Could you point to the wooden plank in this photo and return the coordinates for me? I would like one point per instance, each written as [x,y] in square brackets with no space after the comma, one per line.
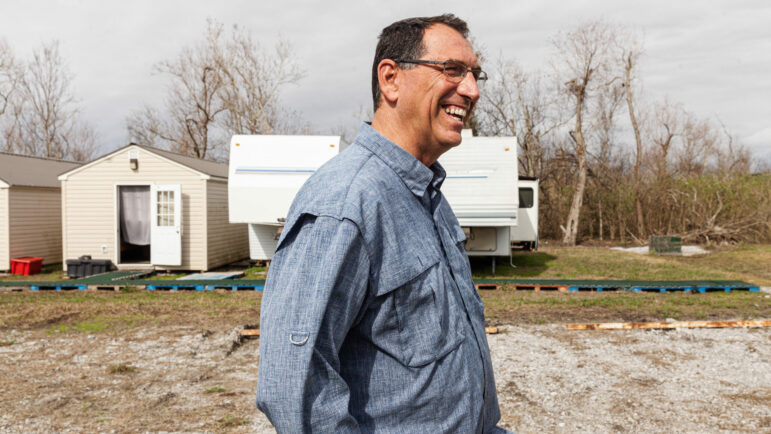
[525,287]
[668,325]
[104,287]
[491,330]
[249,332]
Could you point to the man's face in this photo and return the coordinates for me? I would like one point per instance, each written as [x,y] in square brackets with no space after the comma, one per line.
[432,106]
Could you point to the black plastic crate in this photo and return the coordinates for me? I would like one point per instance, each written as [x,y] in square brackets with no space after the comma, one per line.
[85,266]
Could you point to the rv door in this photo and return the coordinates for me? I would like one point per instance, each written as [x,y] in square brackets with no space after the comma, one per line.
[166,224]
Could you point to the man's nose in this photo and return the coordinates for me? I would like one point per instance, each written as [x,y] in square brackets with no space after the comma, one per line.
[468,87]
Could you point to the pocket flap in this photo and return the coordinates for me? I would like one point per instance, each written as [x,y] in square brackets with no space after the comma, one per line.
[457,234]
[403,270]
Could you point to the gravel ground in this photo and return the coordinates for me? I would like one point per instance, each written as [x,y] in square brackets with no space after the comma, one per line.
[549,379]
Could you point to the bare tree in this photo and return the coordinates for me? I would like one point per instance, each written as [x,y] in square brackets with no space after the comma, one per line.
[583,62]
[193,103]
[630,51]
[220,86]
[604,165]
[733,157]
[518,104]
[254,80]
[9,76]
[697,145]
[664,127]
[45,120]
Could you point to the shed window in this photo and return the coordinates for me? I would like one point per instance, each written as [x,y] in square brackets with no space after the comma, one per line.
[165,208]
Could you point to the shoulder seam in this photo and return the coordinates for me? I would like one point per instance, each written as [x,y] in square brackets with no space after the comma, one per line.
[355,175]
[356,224]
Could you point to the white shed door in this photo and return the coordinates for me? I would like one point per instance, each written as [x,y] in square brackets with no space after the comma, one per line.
[166,224]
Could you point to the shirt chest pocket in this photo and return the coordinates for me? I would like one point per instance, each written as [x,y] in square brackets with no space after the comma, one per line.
[420,318]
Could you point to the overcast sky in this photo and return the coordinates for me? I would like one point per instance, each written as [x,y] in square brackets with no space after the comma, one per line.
[713,56]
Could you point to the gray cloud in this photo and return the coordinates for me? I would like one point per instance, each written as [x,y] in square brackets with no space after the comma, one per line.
[712,55]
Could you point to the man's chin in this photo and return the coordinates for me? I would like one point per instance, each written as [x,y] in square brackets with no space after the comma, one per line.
[452,139]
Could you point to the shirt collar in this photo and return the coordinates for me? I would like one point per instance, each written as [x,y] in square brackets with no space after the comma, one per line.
[415,175]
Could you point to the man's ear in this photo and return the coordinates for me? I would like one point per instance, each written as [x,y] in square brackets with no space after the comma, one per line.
[387,72]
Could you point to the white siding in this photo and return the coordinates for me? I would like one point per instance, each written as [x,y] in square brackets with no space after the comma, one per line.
[5,261]
[35,223]
[90,218]
[228,242]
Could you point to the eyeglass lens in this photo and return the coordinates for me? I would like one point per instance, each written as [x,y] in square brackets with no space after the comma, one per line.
[456,71]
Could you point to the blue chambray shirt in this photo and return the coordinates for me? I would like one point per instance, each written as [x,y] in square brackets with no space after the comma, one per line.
[369,319]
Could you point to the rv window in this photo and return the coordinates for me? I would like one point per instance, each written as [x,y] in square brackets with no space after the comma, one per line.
[525,197]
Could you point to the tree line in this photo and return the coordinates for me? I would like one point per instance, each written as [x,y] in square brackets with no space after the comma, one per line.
[39,114]
[223,84]
[613,164]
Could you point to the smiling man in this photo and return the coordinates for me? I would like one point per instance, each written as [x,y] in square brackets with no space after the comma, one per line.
[369,320]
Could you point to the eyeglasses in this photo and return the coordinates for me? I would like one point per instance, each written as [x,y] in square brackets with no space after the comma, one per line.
[454,71]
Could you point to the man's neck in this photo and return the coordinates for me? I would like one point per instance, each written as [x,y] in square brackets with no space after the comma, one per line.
[388,127]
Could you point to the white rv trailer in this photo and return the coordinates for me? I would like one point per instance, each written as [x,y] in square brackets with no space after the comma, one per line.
[525,233]
[265,174]
[481,188]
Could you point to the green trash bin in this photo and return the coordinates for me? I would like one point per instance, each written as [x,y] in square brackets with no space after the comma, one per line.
[665,245]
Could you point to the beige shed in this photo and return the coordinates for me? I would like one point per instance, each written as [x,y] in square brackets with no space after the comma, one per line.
[30,208]
[143,207]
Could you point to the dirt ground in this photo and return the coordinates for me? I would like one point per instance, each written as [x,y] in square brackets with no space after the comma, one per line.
[192,378]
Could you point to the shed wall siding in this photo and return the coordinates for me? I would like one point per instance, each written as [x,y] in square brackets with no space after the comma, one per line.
[5,260]
[35,223]
[228,242]
[90,206]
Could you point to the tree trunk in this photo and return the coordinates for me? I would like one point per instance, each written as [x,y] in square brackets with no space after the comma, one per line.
[599,210]
[628,65]
[571,227]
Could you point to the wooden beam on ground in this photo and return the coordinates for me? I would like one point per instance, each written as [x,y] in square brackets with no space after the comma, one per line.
[491,330]
[249,333]
[668,325]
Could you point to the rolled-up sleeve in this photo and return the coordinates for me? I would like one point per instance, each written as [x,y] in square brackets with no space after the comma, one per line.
[314,292]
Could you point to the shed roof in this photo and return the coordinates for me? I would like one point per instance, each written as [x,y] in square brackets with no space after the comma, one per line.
[23,170]
[205,167]
[208,167]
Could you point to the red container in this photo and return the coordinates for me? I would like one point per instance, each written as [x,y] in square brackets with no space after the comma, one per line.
[26,266]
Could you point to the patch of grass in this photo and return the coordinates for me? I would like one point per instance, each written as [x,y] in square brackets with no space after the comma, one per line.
[232,421]
[215,389]
[122,368]
[512,307]
[91,311]
[7,343]
[745,262]
[93,326]
[100,323]
[254,273]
